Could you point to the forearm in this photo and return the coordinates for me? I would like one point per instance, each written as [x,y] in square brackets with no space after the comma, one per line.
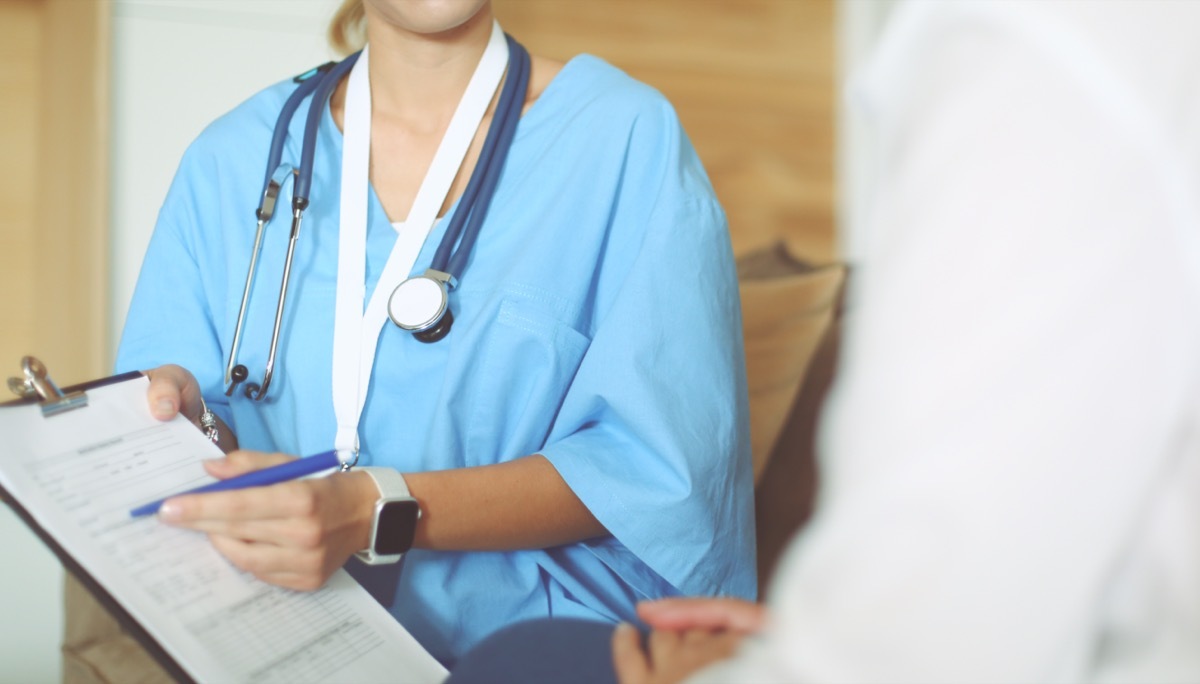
[520,504]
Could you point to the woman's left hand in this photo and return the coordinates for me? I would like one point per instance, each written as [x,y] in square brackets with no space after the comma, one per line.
[294,534]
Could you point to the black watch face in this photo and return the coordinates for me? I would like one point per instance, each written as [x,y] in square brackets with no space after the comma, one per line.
[397,527]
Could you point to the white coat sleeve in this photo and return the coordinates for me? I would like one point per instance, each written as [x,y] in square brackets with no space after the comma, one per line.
[1020,354]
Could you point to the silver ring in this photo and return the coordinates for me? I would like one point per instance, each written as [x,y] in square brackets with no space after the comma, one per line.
[208,422]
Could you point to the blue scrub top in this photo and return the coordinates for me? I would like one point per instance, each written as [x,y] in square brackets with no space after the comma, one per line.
[597,323]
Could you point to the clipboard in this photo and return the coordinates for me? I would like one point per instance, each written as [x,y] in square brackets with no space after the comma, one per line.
[196,614]
[37,387]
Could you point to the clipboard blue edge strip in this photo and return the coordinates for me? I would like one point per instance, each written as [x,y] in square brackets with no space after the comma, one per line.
[81,387]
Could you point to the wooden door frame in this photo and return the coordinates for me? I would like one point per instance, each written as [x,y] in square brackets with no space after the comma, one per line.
[71,284]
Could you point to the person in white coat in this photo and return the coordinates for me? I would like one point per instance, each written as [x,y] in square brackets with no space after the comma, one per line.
[1011,455]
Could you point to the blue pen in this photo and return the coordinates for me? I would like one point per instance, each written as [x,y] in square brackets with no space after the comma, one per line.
[259,478]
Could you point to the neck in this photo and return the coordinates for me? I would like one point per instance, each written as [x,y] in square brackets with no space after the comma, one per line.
[421,77]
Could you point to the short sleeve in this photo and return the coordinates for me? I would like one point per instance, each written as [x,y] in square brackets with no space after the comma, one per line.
[653,432]
[170,318]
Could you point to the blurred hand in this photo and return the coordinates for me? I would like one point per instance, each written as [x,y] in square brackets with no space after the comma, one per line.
[173,389]
[669,657]
[294,534]
[678,614]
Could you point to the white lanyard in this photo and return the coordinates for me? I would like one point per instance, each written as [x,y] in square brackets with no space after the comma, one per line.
[355,332]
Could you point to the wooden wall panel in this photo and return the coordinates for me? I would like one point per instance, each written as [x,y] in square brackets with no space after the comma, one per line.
[54,186]
[752,80]
[71,283]
[20,37]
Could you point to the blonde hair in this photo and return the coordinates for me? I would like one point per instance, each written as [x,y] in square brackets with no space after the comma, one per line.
[347,28]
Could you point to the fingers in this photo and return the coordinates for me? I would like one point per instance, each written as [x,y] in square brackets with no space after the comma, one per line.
[675,614]
[713,646]
[333,512]
[173,389]
[668,657]
[688,635]
[293,534]
[294,499]
[660,644]
[281,566]
[286,533]
[241,462]
[630,662]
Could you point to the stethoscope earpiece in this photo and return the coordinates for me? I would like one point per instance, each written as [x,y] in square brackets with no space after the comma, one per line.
[318,83]
[253,391]
[236,377]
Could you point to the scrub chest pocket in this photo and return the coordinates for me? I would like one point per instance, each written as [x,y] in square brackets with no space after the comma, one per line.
[530,358]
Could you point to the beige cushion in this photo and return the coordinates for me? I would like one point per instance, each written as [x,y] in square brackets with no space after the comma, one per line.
[787,304]
[95,648]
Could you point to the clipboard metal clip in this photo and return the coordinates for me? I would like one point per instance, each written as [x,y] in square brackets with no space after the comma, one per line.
[37,385]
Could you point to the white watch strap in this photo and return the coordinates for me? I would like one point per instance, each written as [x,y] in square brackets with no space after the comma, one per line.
[391,486]
[388,481]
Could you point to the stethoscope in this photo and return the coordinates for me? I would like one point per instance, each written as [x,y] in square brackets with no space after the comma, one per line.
[419,304]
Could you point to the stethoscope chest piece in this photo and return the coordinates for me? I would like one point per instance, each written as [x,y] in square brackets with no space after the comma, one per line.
[420,305]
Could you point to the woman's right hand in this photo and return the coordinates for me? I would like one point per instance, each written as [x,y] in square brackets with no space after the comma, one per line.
[173,389]
[293,534]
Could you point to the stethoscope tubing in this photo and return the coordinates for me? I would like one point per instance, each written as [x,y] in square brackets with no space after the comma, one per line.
[270,196]
[316,110]
[280,132]
[491,177]
[461,233]
[319,86]
[300,187]
[491,157]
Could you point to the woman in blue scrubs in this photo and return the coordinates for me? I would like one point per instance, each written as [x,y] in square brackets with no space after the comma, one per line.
[576,443]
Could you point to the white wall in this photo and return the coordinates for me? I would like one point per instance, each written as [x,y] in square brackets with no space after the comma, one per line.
[177,64]
[30,606]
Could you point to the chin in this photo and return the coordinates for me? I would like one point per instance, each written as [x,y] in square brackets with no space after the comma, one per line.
[424,16]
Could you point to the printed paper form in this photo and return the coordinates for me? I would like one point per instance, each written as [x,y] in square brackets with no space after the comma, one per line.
[79,473]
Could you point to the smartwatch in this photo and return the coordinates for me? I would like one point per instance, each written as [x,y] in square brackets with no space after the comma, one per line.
[395,521]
